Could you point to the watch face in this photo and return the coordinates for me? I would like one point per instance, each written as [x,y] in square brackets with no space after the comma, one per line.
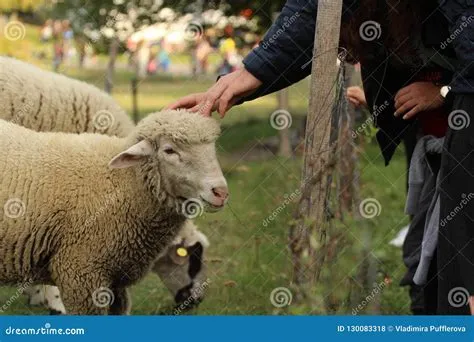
[445,90]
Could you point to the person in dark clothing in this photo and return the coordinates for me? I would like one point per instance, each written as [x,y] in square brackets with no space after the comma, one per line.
[412,35]
[430,123]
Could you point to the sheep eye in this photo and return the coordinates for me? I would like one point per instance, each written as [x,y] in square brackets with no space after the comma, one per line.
[169,150]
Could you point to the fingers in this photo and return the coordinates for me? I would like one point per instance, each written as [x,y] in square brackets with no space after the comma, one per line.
[224,102]
[354,89]
[195,108]
[185,102]
[403,92]
[356,96]
[354,101]
[206,107]
[412,113]
[212,97]
[352,93]
[222,95]
[406,106]
[402,100]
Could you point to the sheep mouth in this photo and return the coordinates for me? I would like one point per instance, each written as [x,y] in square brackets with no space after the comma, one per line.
[211,206]
[203,203]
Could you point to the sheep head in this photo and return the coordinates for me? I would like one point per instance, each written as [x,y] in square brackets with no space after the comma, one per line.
[176,154]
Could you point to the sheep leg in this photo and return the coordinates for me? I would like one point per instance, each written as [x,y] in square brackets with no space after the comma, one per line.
[122,303]
[81,300]
[87,294]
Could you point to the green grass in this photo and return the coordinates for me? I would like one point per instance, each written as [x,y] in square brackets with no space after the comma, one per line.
[247,259]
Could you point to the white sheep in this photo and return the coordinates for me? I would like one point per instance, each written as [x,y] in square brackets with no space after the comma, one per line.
[71,106]
[92,230]
[48,102]
[181,267]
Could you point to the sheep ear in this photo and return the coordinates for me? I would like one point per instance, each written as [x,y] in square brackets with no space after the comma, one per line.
[132,156]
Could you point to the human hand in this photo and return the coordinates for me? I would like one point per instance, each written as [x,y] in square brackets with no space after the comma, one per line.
[417,97]
[222,95]
[356,96]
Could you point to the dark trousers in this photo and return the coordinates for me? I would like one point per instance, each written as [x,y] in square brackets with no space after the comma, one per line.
[456,235]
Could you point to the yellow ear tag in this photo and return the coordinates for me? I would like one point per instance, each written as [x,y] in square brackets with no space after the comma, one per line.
[182,252]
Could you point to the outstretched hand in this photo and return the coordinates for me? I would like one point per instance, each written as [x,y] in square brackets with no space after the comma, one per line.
[222,95]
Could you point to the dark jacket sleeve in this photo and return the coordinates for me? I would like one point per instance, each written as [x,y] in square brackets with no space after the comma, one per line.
[460,14]
[284,54]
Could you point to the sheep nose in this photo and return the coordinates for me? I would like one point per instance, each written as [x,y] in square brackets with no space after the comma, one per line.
[221,192]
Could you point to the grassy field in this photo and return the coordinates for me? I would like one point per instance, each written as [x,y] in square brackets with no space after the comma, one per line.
[247,259]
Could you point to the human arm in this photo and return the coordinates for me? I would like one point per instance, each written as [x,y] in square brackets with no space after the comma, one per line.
[280,60]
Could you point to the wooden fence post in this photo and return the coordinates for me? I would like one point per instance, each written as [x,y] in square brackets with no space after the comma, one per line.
[307,236]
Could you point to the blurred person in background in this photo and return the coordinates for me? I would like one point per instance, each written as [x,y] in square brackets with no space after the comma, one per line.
[47,31]
[203,50]
[228,51]
[46,34]
[68,40]
[152,66]
[164,60]
[58,44]
[142,57]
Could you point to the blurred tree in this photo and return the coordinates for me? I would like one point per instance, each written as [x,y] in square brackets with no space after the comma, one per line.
[107,24]
[262,10]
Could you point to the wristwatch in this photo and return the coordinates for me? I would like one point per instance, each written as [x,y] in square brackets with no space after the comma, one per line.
[444,91]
